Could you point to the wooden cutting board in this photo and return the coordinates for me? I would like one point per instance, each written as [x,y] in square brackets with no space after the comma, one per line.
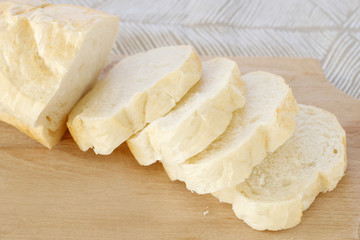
[64,193]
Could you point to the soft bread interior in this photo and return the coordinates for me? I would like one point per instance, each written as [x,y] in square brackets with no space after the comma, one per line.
[91,58]
[315,148]
[313,160]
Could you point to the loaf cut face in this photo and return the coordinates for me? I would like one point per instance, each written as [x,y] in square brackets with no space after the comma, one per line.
[197,120]
[262,125]
[135,92]
[285,184]
[50,56]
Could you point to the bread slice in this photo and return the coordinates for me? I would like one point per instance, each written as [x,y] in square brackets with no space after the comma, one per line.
[313,160]
[197,120]
[266,122]
[50,55]
[136,91]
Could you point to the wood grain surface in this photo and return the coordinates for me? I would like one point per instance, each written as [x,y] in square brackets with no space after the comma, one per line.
[64,193]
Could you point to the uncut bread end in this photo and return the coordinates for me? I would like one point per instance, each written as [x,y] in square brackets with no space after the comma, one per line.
[52,55]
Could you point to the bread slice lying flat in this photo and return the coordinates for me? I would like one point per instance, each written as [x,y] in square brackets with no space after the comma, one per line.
[313,160]
[50,55]
[136,91]
[197,120]
[266,122]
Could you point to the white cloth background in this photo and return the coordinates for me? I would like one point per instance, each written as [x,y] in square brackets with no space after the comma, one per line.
[328,30]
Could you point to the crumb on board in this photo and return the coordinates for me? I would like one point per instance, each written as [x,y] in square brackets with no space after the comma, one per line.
[206,211]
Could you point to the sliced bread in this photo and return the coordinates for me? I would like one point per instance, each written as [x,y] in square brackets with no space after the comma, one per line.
[266,122]
[136,91]
[313,160]
[197,120]
[50,55]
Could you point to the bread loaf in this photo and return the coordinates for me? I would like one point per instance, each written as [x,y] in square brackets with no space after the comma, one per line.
[50,56]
